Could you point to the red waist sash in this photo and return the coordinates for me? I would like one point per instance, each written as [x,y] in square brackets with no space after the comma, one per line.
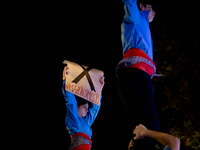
[140,65]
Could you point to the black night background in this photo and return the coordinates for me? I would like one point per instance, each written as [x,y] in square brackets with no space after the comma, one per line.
[89,33]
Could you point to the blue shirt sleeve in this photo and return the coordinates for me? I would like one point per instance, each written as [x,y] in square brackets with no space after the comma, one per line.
[132,12]
[167,148]
[71,102]
[92,113]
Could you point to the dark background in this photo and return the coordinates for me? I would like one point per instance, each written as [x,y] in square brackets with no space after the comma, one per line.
[89,32]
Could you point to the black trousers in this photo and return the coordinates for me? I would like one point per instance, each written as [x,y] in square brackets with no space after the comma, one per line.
[136,90]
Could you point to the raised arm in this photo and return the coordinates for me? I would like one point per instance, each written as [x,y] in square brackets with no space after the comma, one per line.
[132,12]
[93,111]
[70,99]
[163,138]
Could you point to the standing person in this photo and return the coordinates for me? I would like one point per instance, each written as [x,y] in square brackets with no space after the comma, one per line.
[79,117]
[135,71]
[168,141]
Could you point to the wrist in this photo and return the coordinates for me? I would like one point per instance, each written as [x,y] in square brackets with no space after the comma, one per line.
[146,132]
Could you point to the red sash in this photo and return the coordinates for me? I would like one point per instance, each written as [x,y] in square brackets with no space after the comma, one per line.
[84,146]
[141,65]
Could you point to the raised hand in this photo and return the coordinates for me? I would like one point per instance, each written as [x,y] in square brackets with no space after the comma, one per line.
[65,72]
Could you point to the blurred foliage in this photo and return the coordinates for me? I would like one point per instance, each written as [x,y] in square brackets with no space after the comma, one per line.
[176,55]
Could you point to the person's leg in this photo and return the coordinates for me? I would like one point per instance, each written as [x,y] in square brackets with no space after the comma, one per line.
[137,92]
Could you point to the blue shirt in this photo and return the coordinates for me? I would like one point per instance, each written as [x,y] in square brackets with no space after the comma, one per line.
[73,121]
[135,31]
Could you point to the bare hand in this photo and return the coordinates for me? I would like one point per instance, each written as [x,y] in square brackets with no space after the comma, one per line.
[65,72]
[130,144]
[139,132]
[101,80]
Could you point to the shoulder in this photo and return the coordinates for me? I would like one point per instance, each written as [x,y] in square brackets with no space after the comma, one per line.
[145,14]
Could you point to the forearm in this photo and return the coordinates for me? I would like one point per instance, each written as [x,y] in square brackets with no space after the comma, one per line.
[165,139]
[69,97]
[129,1]
[71,103]
[131,11]
[93,112]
